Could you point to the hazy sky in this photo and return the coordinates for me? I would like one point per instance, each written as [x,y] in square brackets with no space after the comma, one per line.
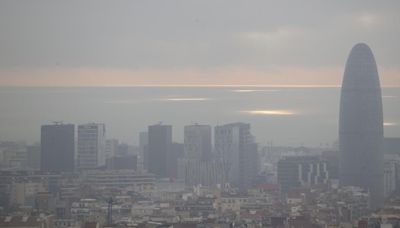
[108,43]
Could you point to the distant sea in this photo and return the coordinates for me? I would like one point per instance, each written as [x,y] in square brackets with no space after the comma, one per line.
[281,116]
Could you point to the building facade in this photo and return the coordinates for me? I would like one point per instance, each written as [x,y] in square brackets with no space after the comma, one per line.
[391,145]
[57,147]
[111,148]
[361,125]
[160,144]
[33,156]
[143,153]
[301,171]
[197,142]
[120,178]
[91,146]
[198,166]
[236,149]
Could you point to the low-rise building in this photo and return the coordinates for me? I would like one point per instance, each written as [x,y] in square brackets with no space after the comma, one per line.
[137,181]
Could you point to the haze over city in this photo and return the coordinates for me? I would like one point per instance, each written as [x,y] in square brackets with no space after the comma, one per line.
[149,43]
[277,114]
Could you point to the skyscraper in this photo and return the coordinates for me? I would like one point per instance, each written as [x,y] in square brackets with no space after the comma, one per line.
[361,125]
[160,143]
[57,147]
[91,146]
[198,166]
[197,142]
[235,147]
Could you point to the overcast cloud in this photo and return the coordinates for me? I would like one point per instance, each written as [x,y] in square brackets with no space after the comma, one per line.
[192,42]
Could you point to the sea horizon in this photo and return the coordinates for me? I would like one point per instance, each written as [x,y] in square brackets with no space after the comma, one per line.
[292,116]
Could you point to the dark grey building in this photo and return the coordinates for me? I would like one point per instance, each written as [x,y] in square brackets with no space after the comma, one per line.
[361,125]
[160,143]
[301,171]
[57,147]
[122,163]
[33,154]
[174,154]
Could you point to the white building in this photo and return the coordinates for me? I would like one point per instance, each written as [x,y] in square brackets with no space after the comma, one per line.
[235,147]
[91,146]
[137,181]
[198,167]
[197,142]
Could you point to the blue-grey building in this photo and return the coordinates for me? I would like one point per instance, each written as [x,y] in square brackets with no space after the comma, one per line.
[361,125]
[57,147]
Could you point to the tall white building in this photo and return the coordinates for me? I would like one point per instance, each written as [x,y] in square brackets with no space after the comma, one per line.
[91,146]
[197,142]
[235,147]
[198,166]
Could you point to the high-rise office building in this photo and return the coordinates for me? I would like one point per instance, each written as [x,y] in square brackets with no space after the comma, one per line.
[197,142]
[57,147]
[236,149]
[91,146]
[197,167]
[361,125]
[160,143]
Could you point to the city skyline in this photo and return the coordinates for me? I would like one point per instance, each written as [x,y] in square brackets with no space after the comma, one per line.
[207,113]
[277,115]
